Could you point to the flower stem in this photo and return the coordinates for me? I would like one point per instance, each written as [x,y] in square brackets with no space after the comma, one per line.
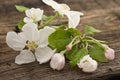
[92,40]
[96,39]
[76,40]
[50,20]
[63,52]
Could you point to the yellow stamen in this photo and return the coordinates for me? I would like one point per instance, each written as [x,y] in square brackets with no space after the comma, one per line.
[32,45]
[85,61]
[65,7]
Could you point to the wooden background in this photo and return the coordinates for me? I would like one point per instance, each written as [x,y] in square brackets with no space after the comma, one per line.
[102,14]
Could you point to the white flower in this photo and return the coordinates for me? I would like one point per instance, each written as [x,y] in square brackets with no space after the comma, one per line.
[33,15]
[57,61]
[87,64]
[63,9]
[32,43]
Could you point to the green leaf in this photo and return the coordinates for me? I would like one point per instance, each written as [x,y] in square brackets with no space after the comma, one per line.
[20,24]
[91,30]
[62,26]
[21,8]
[71,53]
[59,39]
[97,52]
[76,55]
[74,31]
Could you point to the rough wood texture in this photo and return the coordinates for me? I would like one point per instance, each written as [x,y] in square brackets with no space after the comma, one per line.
[102,14]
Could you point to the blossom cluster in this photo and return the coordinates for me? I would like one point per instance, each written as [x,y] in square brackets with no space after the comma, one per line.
[41,41]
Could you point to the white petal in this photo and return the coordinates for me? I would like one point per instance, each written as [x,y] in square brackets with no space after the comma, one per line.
[44,54]
[90,67]
[81,63]
[25,56]
[28,13]
[74,18]
[87,64]
[44,33]
[31,32]
[35,14]
[27,20]
[51,3]
[65,7]
[15,41]
[54,5]
[39,14]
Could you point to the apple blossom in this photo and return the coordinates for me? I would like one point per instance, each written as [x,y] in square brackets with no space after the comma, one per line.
[63,9]
[29,41]
[87,64]
[57,61]
[33,15]
[37,41]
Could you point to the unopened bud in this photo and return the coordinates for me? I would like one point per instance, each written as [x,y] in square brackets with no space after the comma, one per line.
[69,47]
[110,54]
[57,61]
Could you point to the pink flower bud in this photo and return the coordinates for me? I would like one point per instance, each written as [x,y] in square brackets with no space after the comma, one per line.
[110,54]
[69,47]
[57,61]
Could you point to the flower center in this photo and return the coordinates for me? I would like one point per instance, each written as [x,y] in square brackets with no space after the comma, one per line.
[34,16]
[65,7]
[31,45]
[85,61]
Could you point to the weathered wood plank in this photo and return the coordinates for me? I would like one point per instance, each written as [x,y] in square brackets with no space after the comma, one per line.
[97,14]
[107,3]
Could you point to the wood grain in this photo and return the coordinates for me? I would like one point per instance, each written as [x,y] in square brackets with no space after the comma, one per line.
[102,14]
